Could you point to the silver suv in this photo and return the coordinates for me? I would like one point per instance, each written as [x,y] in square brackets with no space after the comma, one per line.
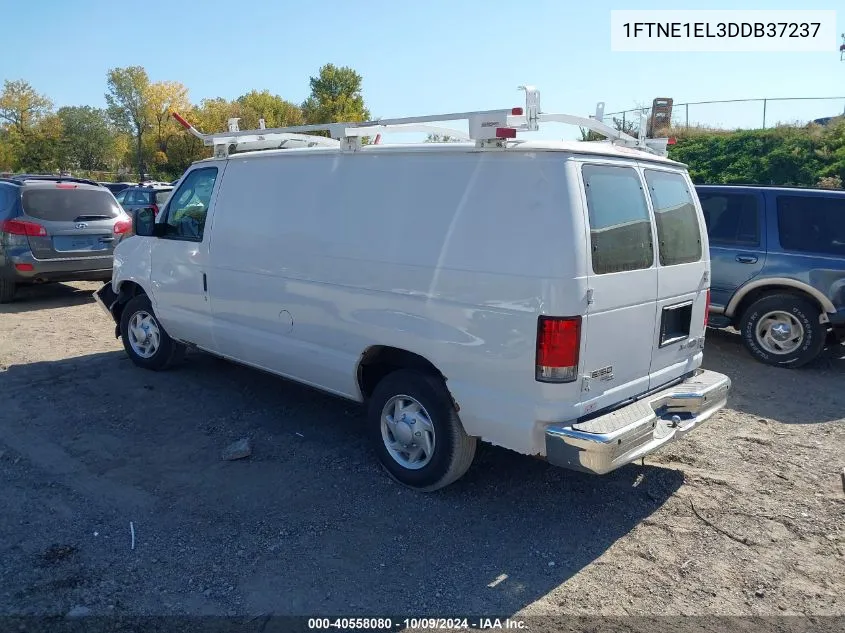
[57,229]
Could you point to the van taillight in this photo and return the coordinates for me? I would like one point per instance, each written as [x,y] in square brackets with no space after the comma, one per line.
[558,344]
[707,308]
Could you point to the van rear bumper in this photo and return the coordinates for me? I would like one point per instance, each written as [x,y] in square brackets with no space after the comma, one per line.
[622,436]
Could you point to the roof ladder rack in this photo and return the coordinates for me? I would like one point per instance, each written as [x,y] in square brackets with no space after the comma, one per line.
[488,128]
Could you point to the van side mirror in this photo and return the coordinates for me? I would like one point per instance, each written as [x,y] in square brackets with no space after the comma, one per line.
[143,222]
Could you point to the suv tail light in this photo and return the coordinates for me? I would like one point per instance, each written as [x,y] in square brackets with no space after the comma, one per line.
[707,308]
[155,210]
[558,346]
[22,227]
[122,226]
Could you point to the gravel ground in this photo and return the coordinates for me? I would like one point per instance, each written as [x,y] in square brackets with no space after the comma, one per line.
[742,517]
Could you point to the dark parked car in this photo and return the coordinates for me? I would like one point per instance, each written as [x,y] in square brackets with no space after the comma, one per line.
[146,196]
[778,268]
[57,229]
[116,187]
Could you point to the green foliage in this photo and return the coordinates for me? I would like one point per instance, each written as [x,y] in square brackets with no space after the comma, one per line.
[128,105]
[275,111]
[87,139]
[40,148]
[137,131]
[778,156]
[21,107]
[335,96]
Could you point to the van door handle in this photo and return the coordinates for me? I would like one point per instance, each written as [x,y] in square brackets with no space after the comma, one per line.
[746,259]
[204,283]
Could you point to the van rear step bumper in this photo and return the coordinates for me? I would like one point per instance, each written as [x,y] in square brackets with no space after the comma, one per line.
[622,436]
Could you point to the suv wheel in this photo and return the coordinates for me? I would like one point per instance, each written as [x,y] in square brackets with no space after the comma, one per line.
[783,330]
[144,339]
[416,432]
[7,290]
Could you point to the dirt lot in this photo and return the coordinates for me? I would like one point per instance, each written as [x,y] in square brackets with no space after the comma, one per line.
[745,516]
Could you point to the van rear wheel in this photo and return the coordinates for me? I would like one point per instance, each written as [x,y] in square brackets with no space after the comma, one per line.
[416,432]
[783,330]
[144,339]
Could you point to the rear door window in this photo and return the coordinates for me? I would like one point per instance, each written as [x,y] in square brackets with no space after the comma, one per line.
[812,224]
[678,230]
[162,196]
[620,229]
[731,218]
[7,198]
[67,205]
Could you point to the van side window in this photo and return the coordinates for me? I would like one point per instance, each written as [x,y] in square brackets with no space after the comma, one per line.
[812,224]
[678,230]
[731,218]
[620,228]
[188,206]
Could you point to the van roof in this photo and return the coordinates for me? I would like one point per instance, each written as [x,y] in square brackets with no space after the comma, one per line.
[593,148]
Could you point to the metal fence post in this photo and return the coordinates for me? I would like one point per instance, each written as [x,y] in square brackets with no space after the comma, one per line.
[764,114]
[687,109]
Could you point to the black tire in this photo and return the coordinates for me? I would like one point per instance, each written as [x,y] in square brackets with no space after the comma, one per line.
[168,353]
[803,310]
[7,290]
[453,450]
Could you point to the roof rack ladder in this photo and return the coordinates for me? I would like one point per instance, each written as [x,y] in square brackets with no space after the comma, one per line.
[488,128]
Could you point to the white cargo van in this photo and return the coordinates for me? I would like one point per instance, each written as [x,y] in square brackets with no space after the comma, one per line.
[548,297]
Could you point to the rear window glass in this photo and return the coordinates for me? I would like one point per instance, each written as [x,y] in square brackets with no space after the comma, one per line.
[678,230]
[812,224]
[139,196]
[620,229]
[66,205]
[162,196]
[731,218]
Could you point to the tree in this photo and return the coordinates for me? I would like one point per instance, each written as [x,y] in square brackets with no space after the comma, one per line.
[21,107]
[162,98]
[128,101]
[275,111]
[40,149]
[87,139]
[335,96]
[213,114]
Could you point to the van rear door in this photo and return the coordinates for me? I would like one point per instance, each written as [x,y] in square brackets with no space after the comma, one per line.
[682,275]
[622,277]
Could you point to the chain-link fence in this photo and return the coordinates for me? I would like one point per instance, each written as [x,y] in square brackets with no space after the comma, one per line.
[733,114]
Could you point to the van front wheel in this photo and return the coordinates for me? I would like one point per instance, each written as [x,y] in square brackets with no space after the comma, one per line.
[144,339]
[416,432]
